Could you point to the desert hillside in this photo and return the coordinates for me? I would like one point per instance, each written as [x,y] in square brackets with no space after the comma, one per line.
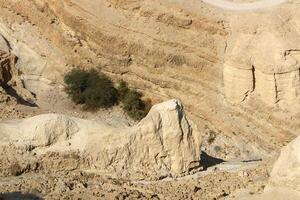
[231,68]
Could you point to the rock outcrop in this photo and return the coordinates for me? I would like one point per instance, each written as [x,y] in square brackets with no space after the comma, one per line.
[162,144]
[10,81]
[10,78]
[264,60]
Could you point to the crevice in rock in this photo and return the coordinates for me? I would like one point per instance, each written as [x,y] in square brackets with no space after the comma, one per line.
[254,78]
[276,89]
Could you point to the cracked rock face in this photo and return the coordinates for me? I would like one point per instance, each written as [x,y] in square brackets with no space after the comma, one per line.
[10,81]
[162,144]
[263,58]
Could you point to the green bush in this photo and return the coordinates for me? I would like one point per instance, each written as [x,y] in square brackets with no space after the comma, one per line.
[95,90]
[133,105]
[131,100]
[122,90]
[91,88]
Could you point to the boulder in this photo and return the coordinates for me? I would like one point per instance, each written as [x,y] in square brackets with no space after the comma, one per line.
[285,176]
[163,144]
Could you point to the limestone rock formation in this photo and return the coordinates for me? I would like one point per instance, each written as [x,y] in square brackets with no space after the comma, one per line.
[207,57]
[264,59]
[10,75]
[162,144]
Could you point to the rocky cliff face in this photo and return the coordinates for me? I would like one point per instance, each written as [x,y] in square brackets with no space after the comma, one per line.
[163,144]
[10,81]
[235,72]
[264,60]
[11,85]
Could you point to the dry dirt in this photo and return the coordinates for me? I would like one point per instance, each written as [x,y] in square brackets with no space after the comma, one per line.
[56,176]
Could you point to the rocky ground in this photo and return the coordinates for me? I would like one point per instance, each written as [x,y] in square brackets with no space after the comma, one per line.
[81,185]
[57,176]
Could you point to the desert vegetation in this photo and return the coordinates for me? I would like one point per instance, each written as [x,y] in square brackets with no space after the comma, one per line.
[95,90]
[131,101]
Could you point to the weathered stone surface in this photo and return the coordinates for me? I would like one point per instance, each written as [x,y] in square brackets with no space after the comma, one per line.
[271,47]
[10,77]
[238,83]
[286,170]
[162,144]
[3,44]
[285,176]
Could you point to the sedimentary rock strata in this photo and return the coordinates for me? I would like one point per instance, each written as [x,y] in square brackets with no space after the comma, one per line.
[264,60]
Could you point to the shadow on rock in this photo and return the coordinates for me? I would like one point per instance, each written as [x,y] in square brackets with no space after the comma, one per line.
[18,196]
[209,161]
[12,92]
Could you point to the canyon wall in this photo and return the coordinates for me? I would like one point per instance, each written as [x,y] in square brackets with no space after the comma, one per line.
[236,73]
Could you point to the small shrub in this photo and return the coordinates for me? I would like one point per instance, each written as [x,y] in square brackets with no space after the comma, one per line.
[148,105]
[217,148]
[91,88]
[122,90]
[95,90]
[132,103]
[212,136]
[16,169]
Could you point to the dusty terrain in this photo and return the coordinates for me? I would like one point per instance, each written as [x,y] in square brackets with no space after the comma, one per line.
[235,72]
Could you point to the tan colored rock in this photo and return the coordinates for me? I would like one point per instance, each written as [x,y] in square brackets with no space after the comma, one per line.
[284,182]
[286,170]
[3,44]
[238,83]
[10,77]
[162,144]
[285,176]
[271,48]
